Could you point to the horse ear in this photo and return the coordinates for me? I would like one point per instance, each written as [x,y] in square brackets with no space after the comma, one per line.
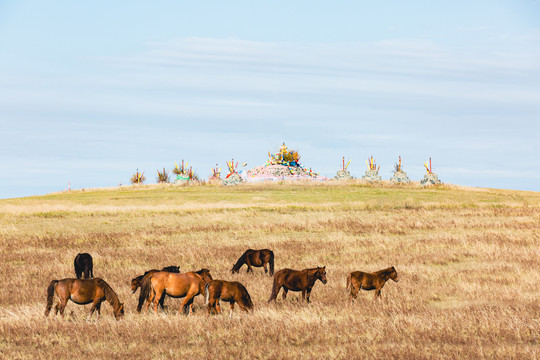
[324,267]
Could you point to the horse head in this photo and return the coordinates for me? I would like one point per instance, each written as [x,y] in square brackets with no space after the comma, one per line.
[119,313]
[135,283]
[235,269]
[393,274]
[205,275]
[321,274]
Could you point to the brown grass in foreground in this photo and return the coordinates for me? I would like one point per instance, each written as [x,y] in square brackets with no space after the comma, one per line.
[469,280]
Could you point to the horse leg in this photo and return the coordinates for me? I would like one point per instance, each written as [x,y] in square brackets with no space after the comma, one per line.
[304,294]
[308,295]
[98,308]
[285,290]
[249,269]
[95,306]
[156,296]
[377,294]
[211,306]
[187,302]
[63,307]
[218,306]
[232,308]
[56,307]
[162,302]
[265,268]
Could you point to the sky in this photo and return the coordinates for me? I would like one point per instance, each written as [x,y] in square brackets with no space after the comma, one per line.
[92,91]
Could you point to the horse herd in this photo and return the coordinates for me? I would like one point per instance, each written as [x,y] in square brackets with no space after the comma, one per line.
[155,284]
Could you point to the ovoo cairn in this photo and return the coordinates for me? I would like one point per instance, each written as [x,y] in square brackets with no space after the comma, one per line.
[372,173]
[282,166]
[233,178]
[430,178]
[344,174]
[399,176]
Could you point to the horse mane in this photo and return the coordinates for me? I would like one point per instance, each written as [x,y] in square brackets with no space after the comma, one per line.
[241,261]
[245,297]
[172,268]
[314,270]
[110,295]
[202,271]
[385,272]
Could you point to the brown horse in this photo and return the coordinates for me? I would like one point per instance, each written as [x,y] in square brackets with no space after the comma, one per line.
[137,282]
[186,285]
[84,264]
[297,280]
[370,281]
[82,292]
[255,258]
[232,292]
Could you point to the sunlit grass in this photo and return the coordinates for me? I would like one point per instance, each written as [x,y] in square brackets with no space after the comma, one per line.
[468,261]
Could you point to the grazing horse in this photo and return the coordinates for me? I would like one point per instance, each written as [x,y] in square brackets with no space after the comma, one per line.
[370,281]
[83,263]
[297,280]
[137,282]
[255,258]
[82,292]
[232,292]
[186,285]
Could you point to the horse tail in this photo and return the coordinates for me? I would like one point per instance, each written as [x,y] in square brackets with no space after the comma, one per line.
[271,263]
[349,282]
[78,270]
[206,293]
[50,296]
[146,287]
[275,289]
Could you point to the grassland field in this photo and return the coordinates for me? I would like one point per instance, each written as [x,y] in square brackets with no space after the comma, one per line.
[468,261]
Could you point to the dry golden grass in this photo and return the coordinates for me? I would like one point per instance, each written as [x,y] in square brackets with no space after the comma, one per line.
[468,261]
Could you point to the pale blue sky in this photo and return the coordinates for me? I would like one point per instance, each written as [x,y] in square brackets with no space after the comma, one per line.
[91,91]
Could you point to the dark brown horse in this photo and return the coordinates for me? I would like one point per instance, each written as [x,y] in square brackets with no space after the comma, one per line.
[297,280]
[231,292]
[370,281]
[255,258]
[84,264]
[186,285]
[82,292]
[137,282]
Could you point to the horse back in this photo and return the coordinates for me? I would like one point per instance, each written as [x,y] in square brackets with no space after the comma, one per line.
[366,281]
[177,284]
[292,279]
[81,291]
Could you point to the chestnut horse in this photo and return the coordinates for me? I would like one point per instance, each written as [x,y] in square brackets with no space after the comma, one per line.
[297,280]
[137,282]
[82,292]
[186,285]
[255,258]
[370,281]
[84,264]
[229,291]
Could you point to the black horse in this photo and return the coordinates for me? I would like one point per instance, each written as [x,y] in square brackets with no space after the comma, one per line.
[83,264]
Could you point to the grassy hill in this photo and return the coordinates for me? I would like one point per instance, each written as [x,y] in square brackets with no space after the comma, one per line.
[468,262]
